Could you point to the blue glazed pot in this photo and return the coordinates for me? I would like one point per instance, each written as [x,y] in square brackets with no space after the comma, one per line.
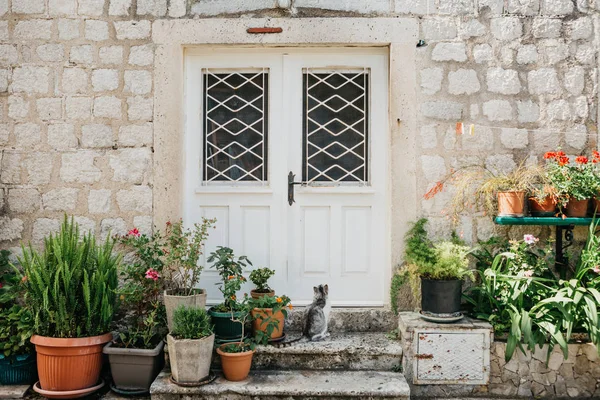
[18,370]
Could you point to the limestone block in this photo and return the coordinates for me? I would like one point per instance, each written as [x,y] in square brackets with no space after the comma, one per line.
[10,169]
[527,54]
[86,225]
[3,7]
[577,136]
[4,134]
[107,107]
[112,226]
[428,138]
[82,54]
[558,110]
[105,79]
[449,51]
[483,53]
[27,135]
[62,7]
[546,28]
[132,29]
[3,24]
[99,201]
[93,8]
[156,8]
[10,228]
[585,54]
[62,136]
[557,7]
[137,199]
[503,81]
[494,7]
[483,139]
[138,82]
[49,108]
[79,167]
[131,165]
[506,28]
[119,7]
[30,80]
[486,229]
[446,110]
[439,28]
[216,7]
[524,7]
[96,30]
[61,199]
[543,80]
[434,167]
[431,80]
[574,80]
[500,163]
[472,28]
[580,107]
[18,107]
[111,54]
[68,29]
[554,50]
[135,135]
[139,108]
[78,107]
[96,135]
[28,6]
[141,55]
[514,138]
[463,81]
[74,80]
[454,7]
[26,200]
[43,227]
[39,168]
[143,223]
[51,52]
[177,8]
[581,28]
[417,7]
[498,110]
[33,29]
[527,111]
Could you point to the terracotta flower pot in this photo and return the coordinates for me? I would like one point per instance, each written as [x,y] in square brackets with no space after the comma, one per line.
[69,364]
[236,366]
[546,208]
[258,295]
[511,204]
[172,301]
[577,208]
[263,316]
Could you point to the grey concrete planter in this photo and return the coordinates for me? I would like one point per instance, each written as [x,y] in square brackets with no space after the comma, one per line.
[173,301]
[190,359]
[135,369]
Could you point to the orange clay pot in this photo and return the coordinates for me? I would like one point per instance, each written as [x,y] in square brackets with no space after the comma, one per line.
[262,318]
[577,208]
[236,366]
[546,208]
[511,204]
[258,295]
[71,363]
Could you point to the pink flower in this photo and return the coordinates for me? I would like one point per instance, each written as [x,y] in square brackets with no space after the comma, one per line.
[152,274]
[596,269]
[528,273]
[134,232]
[530,239]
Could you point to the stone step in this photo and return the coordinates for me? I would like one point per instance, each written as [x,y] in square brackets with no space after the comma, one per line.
[291,385]
[349,320]
[360,351]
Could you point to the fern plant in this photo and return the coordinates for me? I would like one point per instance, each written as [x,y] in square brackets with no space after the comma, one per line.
[70,287]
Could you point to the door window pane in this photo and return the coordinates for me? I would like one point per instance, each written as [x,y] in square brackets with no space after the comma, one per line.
[335,132]
[235,126]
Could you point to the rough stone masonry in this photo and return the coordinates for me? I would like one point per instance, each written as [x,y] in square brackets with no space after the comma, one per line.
[76,97]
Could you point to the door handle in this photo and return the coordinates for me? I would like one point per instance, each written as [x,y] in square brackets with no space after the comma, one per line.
[291,184]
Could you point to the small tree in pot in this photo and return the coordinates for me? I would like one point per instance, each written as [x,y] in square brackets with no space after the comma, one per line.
[260,277]
[190,344]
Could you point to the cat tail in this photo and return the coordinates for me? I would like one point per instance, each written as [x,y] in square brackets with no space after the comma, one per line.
[288,342]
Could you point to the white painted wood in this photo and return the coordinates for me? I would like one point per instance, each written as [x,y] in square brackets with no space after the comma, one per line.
[332,234]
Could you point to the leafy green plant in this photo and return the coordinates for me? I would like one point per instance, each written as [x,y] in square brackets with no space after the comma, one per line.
[571,180]
[230,270]
[397,281]
[268,322]
[70,287]
[191,323]
[450,263]
[260,277]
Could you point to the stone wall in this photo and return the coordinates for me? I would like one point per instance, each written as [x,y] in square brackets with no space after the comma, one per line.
[76,97]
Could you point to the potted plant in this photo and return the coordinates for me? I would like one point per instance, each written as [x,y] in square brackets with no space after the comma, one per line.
[264,311]
[596,171]
[70,288]
[260,277]
[17,358]
[441,269]
[190,345]
[183,248]
[226,314]
[136,355]
[575,183]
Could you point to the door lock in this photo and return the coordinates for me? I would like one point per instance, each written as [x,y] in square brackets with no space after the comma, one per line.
[291,184]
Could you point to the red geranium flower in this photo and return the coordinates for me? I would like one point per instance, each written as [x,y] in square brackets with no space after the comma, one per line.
[134,232]
[563,160]
[581,160]
[560,154]
[549,155]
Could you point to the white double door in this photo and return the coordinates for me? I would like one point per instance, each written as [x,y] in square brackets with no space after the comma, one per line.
[252,117]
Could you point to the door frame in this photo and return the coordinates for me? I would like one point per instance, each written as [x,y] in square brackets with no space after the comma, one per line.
[173,38]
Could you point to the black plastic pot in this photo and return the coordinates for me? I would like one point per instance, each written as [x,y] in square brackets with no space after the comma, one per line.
[441,297]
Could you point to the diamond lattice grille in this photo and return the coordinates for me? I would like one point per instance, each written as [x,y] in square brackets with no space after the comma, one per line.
[335,139]
[235,126]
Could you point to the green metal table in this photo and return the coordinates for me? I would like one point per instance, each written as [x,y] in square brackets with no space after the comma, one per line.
[564,229]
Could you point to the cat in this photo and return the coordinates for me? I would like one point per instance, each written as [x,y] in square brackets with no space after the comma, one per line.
[316,318]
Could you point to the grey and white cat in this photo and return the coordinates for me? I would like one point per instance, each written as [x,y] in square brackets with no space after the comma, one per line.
[317,315]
